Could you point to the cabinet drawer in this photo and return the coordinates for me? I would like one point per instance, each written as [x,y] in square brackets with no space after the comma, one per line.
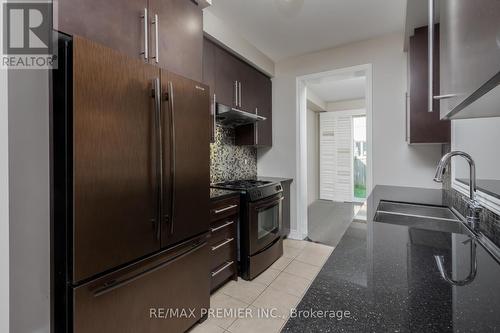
[224,229]
[223,208]
[222,252]
[222,273]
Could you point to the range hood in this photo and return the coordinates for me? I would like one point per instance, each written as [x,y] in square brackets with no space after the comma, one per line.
[231,117]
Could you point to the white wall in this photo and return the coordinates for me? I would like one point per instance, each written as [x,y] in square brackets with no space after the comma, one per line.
[218,30]
[350,104]
[4,203]
[394,162]
[4,199]
[478,138]
[312,156]
[29,201]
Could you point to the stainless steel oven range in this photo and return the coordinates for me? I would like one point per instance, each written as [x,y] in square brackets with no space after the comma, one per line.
[259,230]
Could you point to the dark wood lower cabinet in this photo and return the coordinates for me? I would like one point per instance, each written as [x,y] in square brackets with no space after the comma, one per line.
[145,297]
[224,240]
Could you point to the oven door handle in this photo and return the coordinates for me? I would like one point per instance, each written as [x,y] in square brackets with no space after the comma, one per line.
[273,203]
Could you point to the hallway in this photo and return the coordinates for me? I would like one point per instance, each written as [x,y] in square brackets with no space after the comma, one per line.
[328,220]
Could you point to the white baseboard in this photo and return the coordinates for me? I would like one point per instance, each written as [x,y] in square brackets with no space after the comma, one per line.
[294,234]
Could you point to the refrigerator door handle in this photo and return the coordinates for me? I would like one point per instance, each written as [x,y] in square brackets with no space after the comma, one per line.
[146,46]
[172,148]
[107,287]
[157,97]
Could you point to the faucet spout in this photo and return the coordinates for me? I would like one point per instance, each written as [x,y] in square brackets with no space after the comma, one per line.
[441,168]
[474,208]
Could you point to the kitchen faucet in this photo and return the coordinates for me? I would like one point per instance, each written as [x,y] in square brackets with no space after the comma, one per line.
[473,206]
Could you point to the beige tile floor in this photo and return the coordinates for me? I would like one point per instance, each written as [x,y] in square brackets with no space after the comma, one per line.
[276,291]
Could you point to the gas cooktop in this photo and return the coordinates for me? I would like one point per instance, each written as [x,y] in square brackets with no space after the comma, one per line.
[253,188]
[245,184]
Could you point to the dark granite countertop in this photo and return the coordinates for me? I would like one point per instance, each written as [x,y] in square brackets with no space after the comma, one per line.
[386,276]
[216,194]
[275,179]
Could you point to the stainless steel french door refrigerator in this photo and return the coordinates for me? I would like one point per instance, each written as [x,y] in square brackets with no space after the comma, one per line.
[130,192]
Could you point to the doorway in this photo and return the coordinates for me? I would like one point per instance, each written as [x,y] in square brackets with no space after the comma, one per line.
[343,155]
[354,172]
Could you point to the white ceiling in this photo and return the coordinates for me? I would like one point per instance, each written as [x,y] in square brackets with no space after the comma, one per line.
[339,89]
[286,28]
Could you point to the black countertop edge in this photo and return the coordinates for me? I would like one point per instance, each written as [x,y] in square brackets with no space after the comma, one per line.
[217,194]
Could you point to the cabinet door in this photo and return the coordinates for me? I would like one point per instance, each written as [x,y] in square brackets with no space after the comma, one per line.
[114,23]
[470,52]
[180,36]
[187,121]
[265,127]
[227,69]
[114,172]
[249,87]
[424,126]
[260,133]
[128,301]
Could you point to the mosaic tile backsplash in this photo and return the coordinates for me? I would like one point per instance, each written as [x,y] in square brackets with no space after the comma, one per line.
[490,222]
[228,161]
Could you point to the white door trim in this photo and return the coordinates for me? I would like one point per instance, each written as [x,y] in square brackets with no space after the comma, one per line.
[301,140]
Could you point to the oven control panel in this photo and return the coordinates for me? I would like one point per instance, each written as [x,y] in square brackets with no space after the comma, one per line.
[264,191]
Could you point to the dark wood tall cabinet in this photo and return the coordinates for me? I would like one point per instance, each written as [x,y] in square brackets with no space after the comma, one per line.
[176,26]
[422,126]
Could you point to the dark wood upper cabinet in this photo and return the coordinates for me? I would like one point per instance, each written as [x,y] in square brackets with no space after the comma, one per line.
[423,126]
[180,36]
[119,24]
[114,23]
[227,73]
[237,84]
[259,134]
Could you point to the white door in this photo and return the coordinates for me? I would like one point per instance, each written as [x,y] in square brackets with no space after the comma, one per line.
[336,181]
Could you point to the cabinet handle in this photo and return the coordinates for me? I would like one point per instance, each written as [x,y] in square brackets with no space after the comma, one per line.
[214,106]
[218,211]
[256,128]
[222,226]
[236,93]
[156,23]
[229,263]
[121,283]
[239,93]
[431,55]
[407,123]
[144,16]
[447,96]
[227,241]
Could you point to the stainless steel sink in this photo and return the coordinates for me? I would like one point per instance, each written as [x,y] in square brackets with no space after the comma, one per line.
[418,216]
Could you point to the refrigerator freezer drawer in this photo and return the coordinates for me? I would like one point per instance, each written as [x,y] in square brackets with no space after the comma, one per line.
[164,293]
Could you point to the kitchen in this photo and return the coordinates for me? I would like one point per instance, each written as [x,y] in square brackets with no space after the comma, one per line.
[159,170]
